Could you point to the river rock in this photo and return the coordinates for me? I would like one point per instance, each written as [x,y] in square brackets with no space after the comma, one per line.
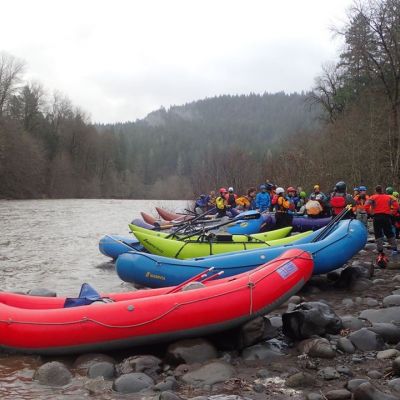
[352,323]
[348,303]
[350,276]
[328,374]
[394,384]
[42,292]
[314,396]
[300,380]
[374,374]
[389,332]
[366,391]
[98,386]
[338,394]
[345,345]
[387,354]
[191,351]
[132,383]
[53,373]
[84,361]
[308,319]
[396,366]
[263,351]
[169,383]
[167,395]
[390,314]
[361,284]
[103,369]
[209,374]
[256,330]
[366,340]
[318,347]
[370,302]
[392,300]
[353,384]
[148,364]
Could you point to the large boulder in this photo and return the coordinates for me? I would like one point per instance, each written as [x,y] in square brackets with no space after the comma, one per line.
[308,319]
[190,351]
[53,373]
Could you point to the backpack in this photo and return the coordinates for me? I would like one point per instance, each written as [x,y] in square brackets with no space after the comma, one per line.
[313,207]
[338,203]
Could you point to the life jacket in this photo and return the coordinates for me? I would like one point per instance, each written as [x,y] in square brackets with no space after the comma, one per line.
[283,205]
[231,199]
[220,203]
[313,207]
[362,205]
[381,203]
[338,203]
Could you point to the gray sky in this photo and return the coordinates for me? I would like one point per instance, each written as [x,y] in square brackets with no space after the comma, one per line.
[119,60]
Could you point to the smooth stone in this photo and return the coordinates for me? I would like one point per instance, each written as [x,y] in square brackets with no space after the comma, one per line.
[262,351]
[170,383]
[374,374]
[191,351]
[345,345]
[361,284]
[167,395]
[390,314]
[276,322]
[352,323]
[378,281]
[358,300]
[42,292]
[209,374]
[397,291]
[370,247]
[132,383]
[338,394]
[396,366]
[366,340]
[389,332]
[103,369]
[386,354]
[314,396]
[371,302]
[84,361]
[348,303]
[53,373]
[328,374]
[300,379]
[392,300]
[318,348]
[344,370]
[353,384]
[149,365]
[366,391]
[395,384]
[396,278]
[263,373]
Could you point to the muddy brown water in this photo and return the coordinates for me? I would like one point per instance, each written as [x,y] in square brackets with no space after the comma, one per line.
[54,244]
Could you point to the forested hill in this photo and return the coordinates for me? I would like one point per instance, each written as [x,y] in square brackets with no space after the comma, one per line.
[218,141]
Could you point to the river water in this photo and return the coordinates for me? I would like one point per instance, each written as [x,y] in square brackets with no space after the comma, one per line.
[54,244]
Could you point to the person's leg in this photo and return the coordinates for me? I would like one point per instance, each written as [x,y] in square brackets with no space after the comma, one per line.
[378,232]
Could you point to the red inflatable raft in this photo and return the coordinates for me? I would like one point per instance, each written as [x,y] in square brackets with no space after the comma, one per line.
[41,325]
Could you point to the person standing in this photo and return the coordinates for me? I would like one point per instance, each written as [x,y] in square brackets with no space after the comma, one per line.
[263,199]
[340,199]
[283,209]
[362,207]
[381,208]
[221,203]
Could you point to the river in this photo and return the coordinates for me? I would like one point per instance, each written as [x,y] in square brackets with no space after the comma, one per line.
[54,244]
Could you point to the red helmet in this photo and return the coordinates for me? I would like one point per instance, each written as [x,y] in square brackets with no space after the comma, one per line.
[223,190]
[291,189]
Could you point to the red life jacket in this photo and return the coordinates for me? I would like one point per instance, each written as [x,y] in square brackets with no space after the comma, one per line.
[338,203]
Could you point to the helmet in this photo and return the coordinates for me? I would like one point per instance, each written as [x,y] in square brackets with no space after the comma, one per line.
[396,194]
[230,189]
[222,190]
[340,186]
[389,190]
[356,189]
[279,190]
[291,189]
[202,196]
[362,188]
[316,187]
[303,195]
[262,187]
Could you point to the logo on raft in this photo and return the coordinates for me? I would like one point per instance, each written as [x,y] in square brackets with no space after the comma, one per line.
[244,224]
[154,276]
[152,245]
[286,270]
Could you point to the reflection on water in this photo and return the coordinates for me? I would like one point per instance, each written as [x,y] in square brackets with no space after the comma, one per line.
[54,244]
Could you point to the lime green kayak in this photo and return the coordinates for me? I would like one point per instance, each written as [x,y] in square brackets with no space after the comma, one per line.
[193,248]
[260,237]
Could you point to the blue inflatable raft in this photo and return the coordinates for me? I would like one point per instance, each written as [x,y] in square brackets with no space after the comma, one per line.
[344,240]
[114,245]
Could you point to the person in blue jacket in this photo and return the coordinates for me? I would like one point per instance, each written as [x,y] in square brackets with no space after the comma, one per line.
[263,199]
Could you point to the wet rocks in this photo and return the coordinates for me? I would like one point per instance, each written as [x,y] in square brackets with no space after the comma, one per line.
[387,354]
[392,300]
[132,383]
[308,319]
[191,351]
[345,345]
[388,315]
[104,369]
[338,394]
[389,332]
[319,348]
[43,292]
[353,384]
[209,374]
[352,323]
[366,391]
[53,373]
[366,340]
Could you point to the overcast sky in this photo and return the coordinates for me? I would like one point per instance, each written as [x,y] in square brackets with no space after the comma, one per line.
[119,60]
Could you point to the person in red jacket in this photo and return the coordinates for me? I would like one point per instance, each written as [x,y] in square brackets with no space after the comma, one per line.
[381,209]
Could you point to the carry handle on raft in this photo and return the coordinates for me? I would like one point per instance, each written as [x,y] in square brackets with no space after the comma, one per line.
[238,218]
[190,222]
[331,224]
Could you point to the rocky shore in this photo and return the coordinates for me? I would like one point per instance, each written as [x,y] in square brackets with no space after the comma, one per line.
[339,338]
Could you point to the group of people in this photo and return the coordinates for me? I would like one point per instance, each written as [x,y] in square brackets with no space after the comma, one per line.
[382,207]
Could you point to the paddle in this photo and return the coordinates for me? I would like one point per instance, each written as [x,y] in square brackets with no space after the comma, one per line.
[190,222]
[240,217]
[331,224]
[201,275]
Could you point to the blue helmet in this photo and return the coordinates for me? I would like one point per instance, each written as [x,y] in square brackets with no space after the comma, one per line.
[262,187]
[362,188]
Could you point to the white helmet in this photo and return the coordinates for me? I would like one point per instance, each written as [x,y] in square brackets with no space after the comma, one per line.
[230,189]
[279,190]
